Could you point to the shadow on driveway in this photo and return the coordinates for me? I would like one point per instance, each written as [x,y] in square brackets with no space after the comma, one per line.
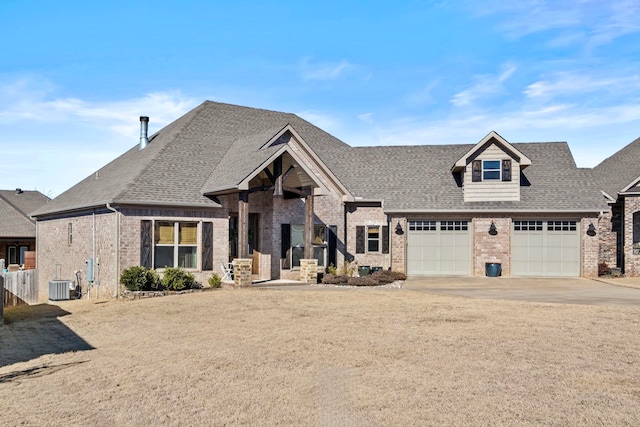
[34,331]
[547,290]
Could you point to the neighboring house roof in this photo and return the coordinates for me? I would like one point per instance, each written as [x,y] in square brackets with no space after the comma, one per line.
[15,207]
[217,147]
[419,178]
[619,171]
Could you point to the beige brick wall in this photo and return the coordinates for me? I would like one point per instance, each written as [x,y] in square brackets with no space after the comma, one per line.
[366,216]
[631,261]
[57,258]
[398,244]
[607,236]
[489,248]
[590,248]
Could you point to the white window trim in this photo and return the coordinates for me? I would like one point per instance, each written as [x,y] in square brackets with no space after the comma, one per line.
[176,245]
[499,170]
[379,238]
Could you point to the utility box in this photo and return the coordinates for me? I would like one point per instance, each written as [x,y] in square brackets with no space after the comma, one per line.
[89,272]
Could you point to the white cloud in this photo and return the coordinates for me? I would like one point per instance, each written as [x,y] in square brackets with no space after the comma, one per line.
[27,100]
[564,83]
[589,22]
[485,85]
[325,71]
[50,127]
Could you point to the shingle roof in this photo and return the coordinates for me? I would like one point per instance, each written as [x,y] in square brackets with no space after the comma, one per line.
[14,212]
[182,157]
[420,178]
[619,170]
[218,145]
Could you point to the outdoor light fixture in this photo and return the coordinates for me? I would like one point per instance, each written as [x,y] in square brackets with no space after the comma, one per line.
[591,231]
[399,229]
[492,229]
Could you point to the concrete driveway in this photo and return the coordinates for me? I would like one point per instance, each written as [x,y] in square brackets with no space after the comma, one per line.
[549,290]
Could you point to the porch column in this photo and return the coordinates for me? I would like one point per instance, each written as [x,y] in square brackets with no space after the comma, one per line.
[243,225]
[308,226]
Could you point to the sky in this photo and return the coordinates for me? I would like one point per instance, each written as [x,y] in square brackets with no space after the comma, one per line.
[76,76]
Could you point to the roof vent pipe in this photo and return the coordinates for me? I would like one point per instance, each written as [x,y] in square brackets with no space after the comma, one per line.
[144,128]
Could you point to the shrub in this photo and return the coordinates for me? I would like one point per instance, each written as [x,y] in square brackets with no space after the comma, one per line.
[376,279]
[334,279]
[332,270]
[604,269]
[176,279]
[139,278]
[215,281]
[348,269]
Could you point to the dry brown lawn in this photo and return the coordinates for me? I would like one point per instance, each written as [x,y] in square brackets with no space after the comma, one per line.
[320,357]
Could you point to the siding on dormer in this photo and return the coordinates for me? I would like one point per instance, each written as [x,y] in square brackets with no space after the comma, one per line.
[494,190]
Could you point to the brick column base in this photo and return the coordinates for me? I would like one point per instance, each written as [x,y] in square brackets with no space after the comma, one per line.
[242,272]
[309,271]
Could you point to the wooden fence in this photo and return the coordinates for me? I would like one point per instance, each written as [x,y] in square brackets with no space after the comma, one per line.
[20,287]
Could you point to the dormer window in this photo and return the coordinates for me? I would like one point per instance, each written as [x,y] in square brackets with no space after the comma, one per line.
[491,170]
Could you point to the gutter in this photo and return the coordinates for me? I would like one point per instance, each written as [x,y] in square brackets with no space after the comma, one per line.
[505,211]
[116,295]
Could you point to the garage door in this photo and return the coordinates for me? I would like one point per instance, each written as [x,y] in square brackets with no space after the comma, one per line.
[438,247]
[545,248]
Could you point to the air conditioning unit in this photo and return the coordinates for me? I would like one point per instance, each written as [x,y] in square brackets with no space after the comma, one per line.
[60,290]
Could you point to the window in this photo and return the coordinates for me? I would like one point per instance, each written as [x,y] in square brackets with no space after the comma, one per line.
[373,238]
[561,226]
[527,225]
[176,244]
[422,225]
[318,243]
[15,254]
[454,225]
[70,233]
[491,170]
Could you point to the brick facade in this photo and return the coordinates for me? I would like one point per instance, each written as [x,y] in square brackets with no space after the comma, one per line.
[631,229]
[488,248]
[608,229]
[367,216]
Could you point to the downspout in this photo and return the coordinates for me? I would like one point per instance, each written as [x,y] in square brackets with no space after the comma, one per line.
[117,251]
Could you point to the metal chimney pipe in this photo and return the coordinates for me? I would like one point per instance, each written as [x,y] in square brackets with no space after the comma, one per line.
[144,129]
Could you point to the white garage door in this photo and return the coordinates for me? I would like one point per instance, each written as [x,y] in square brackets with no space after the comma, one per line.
[438,247]
[545,248]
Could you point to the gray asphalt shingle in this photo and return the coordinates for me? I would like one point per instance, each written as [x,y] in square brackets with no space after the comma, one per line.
[217,145]
[14,212]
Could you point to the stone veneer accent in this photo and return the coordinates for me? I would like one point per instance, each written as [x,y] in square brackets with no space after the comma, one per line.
[242,272]
[309,271]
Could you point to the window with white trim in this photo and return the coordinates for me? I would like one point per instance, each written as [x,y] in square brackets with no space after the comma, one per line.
[176,244]
[373,238]
[491,170]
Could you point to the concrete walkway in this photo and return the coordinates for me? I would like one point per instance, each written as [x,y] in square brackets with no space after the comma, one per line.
[625,292]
